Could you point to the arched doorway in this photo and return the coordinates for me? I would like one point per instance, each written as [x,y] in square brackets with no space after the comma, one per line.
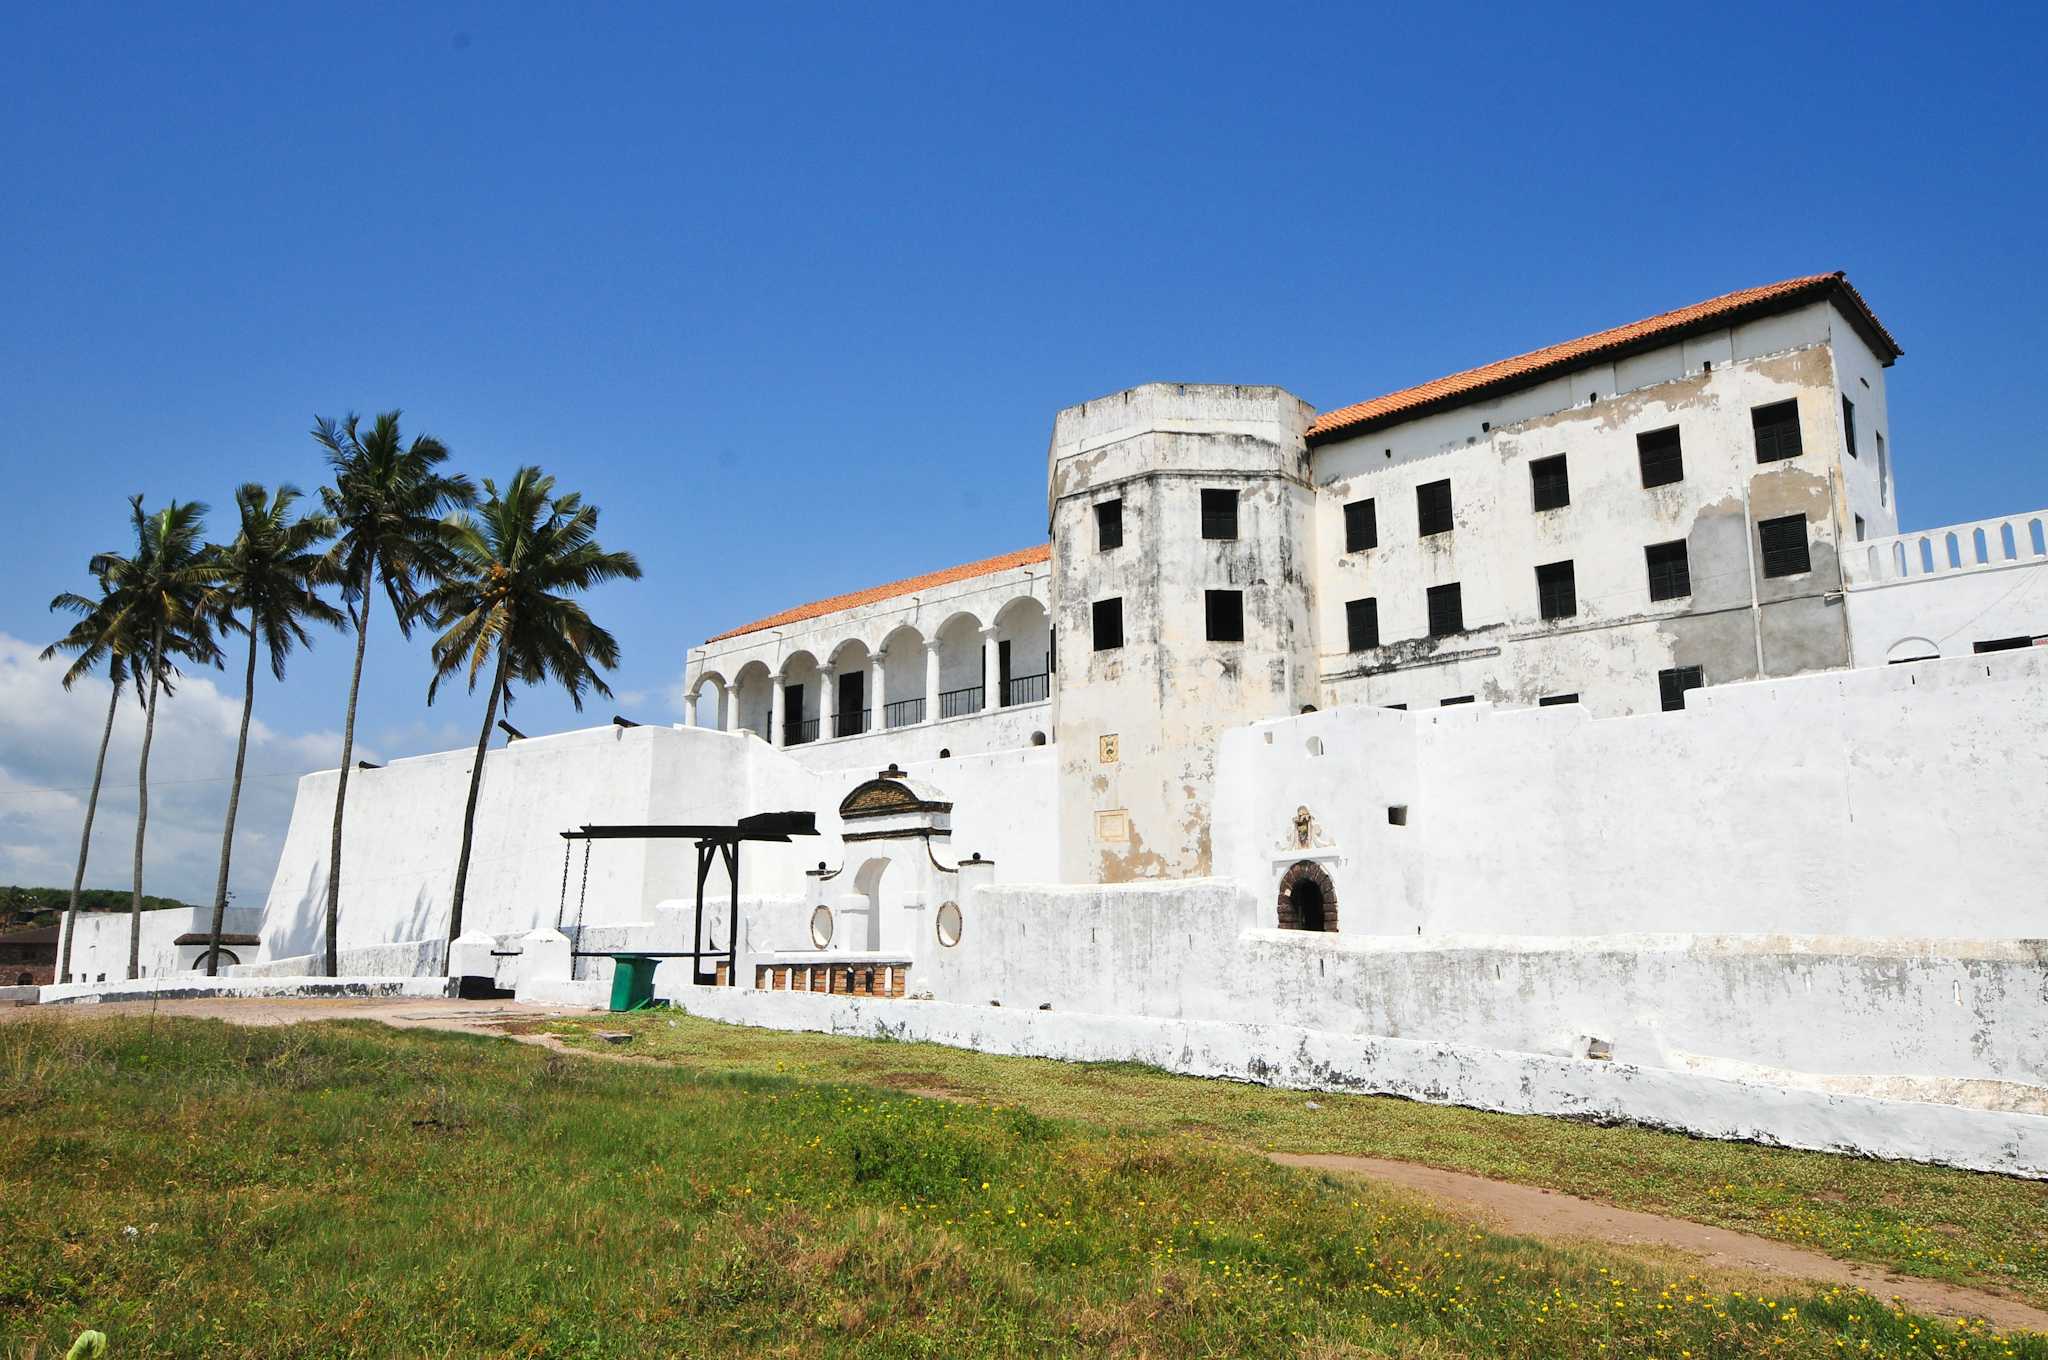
[1308,899]
[868,883]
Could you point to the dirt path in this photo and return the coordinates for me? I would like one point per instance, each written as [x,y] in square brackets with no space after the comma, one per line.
[1530,1211]
[1523,1210]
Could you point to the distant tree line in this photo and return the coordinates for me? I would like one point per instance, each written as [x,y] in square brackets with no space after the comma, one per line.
[494,572]
[25,906]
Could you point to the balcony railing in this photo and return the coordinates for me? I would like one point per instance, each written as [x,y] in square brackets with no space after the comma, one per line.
[2010,540]
[903,713]
[1026,689]
[953,703]
[795,732]
[850,724]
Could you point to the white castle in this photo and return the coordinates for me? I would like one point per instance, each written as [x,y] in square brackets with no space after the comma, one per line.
[1575,734]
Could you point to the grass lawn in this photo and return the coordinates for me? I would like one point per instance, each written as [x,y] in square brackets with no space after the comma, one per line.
[1987,1231]
[193,1188]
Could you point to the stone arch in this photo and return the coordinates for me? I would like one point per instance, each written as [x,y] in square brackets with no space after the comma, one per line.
[721,691]
[868,883]
[753,691]
[1308,899]
[849,657]
[1024,634]
[960,670]
[800,723]
[903,675]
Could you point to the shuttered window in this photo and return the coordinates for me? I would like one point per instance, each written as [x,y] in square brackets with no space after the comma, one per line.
[1219,513]
[1109,525]
[1549,484]
[1361,526]
[1849,425]
[1670,574]
[1662,461]
[1672,685]
[1362,624]
[1109,625]
[1225,611]
[1557,592]
[1784,545]
[1433,508]
[1777,431]
[1446,610]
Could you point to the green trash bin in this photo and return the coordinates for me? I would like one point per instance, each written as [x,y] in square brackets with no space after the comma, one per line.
[632,981]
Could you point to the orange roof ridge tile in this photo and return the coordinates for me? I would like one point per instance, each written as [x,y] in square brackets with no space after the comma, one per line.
[986,567]
[1524,368]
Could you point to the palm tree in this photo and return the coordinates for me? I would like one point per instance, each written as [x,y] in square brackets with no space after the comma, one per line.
[271,573]
[386,501]
[165,598]
[97,638]
[505,605]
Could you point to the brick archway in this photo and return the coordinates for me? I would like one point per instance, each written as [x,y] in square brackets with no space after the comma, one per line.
[1308,899]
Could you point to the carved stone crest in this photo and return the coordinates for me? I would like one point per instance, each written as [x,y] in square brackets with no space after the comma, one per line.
[1304,827]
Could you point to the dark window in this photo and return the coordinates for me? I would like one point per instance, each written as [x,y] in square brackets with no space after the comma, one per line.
[1849,425]
[1670,577]
[1557,592]
[1672,685]
[1109,525]
[1109,625]
[1549,484]
[1446,610]
[2011,644]
[1225,609]
[1398,708]
[1884,476]
[1362,624]
[1433,508]
[1784,544]
[1455,699]
[1658,451]
[1553,700]
[1777,431]
[1859,528]
[1219,513]
[1361,526]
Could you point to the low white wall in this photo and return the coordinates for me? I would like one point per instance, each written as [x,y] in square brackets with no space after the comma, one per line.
[1947,614]
[1895,802]
[1949,1020]
[1440,1073]
[191,985]
[100,948]
[1000,729]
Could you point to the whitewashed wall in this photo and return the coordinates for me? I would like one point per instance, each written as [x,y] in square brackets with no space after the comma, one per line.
[1939,592]
[1900,801]
[101,947]
[404,824]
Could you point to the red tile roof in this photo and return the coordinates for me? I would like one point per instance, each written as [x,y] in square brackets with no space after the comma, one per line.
[1537,365]
[987,566]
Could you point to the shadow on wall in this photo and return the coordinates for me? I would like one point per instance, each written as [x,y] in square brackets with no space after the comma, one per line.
[301,928]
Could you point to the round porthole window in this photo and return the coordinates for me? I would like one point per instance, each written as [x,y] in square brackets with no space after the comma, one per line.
[821,927]
[949,924]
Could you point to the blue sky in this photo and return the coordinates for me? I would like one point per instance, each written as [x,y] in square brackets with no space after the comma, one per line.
[793,293]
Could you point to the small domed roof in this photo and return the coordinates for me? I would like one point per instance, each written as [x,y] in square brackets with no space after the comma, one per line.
[892,793]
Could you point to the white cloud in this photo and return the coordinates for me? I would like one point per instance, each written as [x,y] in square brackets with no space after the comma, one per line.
[48,738]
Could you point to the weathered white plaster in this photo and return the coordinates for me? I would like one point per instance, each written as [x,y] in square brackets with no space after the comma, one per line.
[100,949]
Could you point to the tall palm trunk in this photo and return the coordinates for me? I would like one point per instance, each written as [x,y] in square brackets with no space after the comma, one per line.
[476,782]
[92,806]
[227,837]
[348,750]
[142,807]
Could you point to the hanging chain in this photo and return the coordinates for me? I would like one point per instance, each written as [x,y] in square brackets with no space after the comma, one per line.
[562,903]
[582,894]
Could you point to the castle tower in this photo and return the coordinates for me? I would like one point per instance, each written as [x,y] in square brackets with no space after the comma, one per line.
[1181,527]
